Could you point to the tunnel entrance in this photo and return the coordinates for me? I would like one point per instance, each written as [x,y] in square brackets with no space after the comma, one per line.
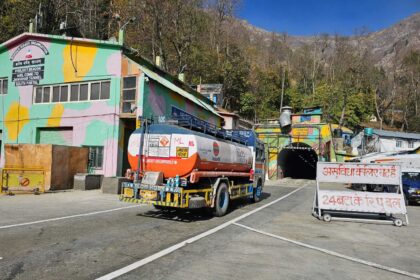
[298,160]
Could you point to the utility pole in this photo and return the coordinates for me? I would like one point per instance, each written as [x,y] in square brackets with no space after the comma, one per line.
[283,77]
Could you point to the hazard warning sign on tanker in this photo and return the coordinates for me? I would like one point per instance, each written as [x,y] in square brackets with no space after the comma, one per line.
[163,141]
[159,145]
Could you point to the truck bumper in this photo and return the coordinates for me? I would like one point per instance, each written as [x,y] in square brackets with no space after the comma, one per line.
[165,196]
[150,202]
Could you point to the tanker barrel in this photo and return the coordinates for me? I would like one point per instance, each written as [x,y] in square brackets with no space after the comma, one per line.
[175,150]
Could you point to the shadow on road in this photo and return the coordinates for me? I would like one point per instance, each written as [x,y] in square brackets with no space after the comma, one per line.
[179,215]
[195,215]
[242,202]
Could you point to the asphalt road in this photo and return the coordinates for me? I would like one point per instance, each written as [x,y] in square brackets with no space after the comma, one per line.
[87,235]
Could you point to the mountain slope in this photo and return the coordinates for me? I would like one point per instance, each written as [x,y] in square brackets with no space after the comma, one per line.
[387,46]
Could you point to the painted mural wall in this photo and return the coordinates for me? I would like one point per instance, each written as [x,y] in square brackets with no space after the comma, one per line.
[35,65]
[30,61]
[317,135]
[160,101]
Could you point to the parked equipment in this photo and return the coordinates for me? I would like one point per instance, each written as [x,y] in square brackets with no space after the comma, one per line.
[195,167]
[409,161]
[411,186]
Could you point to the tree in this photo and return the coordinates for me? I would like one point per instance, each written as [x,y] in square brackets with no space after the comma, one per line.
[236,71]
[409,82]
[260,72]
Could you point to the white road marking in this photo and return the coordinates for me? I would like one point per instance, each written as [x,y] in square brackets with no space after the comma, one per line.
[69,217]
[332,253]
[181,244]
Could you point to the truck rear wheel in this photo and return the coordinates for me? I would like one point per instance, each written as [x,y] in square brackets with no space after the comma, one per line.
[222,200]
[257,192]
[158,207]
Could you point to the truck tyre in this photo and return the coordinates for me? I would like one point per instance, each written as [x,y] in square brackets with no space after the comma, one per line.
[222,200]
[158,207]
[257,192]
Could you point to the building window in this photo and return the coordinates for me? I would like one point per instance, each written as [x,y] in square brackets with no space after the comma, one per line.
[94,91]
[75,92]
[96,156]
[398,144]
[3,85]
[129,93]
[64,93]
[55,135]
[411,144]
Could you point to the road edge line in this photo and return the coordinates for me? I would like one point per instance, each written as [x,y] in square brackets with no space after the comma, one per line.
[68,217]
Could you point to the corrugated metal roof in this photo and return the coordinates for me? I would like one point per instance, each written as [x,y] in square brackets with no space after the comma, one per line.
[180,91]
[396,134]
[343,128]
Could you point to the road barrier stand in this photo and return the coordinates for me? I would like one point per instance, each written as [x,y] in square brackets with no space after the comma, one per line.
[22,180]
[380,197]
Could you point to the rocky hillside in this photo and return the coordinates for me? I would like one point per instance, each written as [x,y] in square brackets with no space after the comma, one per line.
[394,42]
[387,46]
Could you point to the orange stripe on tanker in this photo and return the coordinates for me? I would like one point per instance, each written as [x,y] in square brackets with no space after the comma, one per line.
[180,154]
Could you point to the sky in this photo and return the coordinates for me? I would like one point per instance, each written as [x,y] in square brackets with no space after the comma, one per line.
[312,17]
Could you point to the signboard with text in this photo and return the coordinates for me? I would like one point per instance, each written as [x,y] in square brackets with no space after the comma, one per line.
[28,66]
[358,173]
[360,201]
[370,202]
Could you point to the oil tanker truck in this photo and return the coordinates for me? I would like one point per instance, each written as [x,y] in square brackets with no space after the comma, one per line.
[177,167]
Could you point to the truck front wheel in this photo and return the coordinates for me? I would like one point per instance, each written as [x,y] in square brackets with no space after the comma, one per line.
[222,200]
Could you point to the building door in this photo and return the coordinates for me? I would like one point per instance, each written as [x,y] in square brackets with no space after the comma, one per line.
[56,136]
[327,155]
[129,127]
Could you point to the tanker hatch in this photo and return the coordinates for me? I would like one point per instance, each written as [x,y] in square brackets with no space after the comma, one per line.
[298,161]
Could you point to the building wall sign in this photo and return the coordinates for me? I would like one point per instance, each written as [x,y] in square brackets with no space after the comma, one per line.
[28,75]
[31,70]
[28,44]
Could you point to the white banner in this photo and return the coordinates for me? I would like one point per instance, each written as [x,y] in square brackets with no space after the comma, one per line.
[361,173]
[392,203]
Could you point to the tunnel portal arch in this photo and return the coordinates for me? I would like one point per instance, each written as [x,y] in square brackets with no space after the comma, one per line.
[298,160]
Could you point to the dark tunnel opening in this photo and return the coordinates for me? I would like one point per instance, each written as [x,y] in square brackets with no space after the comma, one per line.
[298,161]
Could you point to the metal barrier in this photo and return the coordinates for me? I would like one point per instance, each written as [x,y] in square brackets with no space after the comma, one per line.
[22,180]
